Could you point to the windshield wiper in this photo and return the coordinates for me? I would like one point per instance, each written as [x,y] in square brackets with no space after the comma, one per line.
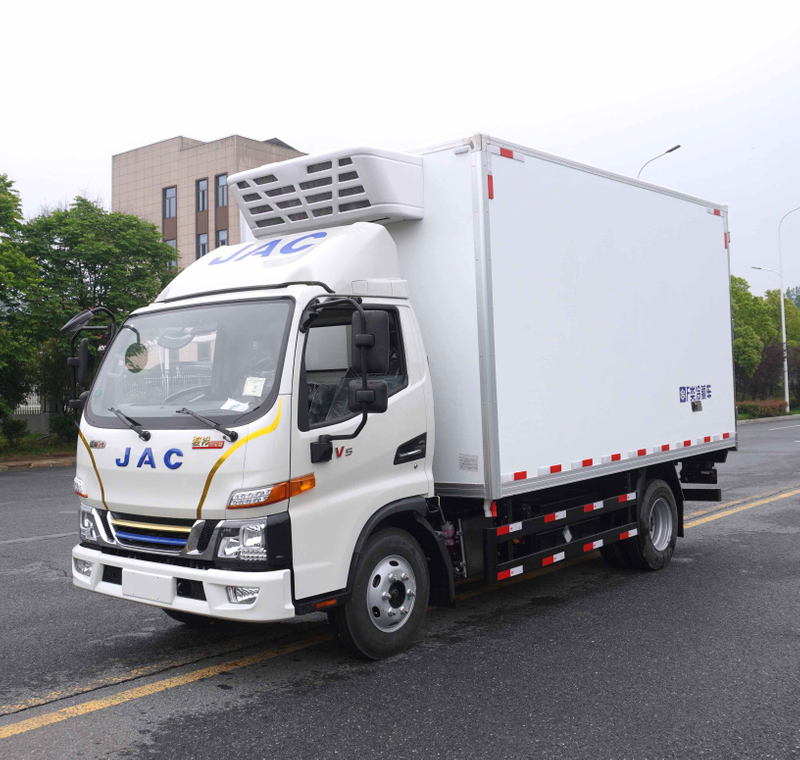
[232,435]
[132,424]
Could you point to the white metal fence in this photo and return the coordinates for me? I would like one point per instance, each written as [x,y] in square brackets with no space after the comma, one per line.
[31,405]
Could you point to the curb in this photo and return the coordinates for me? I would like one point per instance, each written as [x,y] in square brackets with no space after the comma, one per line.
[37,464]
[768,419]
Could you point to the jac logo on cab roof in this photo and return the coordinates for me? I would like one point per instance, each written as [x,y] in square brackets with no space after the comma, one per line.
[147,459]
[266,249]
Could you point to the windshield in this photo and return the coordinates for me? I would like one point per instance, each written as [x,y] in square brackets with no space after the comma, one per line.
[222,361]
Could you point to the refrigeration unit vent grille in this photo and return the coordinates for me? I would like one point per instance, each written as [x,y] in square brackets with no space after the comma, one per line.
[376,185]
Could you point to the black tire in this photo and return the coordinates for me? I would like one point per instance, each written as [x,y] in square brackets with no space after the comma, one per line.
[354,621]
[615,555]
[190,619]
[659,512]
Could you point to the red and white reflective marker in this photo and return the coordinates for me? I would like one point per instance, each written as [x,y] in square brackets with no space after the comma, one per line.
[629,534]
[553,559]
[593,545]
[509,573]
[503,529]
[627,497]
[593,507]
[553,516]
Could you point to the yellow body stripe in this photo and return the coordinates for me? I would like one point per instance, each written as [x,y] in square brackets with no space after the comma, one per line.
[94,464]
[237,445]
[152,526]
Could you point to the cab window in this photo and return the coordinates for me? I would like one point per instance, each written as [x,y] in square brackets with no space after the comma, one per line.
[327,370]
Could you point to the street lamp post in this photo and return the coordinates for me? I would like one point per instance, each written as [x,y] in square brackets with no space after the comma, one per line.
[674,148]
[779,272]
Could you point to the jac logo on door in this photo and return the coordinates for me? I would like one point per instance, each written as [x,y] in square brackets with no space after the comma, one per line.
[343,452]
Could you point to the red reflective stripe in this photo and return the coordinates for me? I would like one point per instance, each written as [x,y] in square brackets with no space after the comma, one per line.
[641,452]
[550,518]
[687,443]
[555,468]
[623,536]
[716,212]
[588,547]
[502,530]
[623,498]
[521,475]
[616,457]
[665,447]
[707,439]
[505,574]
[589,508]
[726,435]
[587,463]
[726,238]
[506,153]
[494,509]
[491,187]
[548,561]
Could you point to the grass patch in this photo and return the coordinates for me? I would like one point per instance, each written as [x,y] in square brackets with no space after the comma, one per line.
[33,446]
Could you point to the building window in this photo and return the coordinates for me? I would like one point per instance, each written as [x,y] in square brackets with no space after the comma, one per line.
[202,194]
[172,243]
[170,195]
[222,190]
[202,245]
[222,238]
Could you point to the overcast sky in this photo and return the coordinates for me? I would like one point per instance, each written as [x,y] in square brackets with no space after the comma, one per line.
[610,84]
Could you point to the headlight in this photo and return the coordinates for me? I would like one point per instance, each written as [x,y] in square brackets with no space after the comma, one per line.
[258,497]
[243,540]
[87,526]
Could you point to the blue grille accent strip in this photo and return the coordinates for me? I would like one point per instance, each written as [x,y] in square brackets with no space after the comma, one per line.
[152,539]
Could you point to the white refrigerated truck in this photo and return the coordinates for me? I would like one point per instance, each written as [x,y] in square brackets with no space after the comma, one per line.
[474,360]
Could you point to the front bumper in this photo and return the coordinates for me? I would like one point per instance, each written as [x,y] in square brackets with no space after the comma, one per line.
[274,600]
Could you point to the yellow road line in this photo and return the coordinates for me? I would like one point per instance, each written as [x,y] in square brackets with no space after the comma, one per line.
[733,511]
[13,729]
[717,507]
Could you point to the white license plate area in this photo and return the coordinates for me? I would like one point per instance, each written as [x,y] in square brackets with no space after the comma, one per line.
[154,588]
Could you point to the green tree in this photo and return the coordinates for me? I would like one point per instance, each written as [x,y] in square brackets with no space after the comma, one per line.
[793,294]
[773,304]
[19,277]
[89,257]
[747,348]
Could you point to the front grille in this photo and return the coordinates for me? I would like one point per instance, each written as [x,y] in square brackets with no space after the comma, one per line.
[112,574]
[151,533]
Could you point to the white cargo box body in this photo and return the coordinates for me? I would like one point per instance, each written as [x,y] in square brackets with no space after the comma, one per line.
[571,318]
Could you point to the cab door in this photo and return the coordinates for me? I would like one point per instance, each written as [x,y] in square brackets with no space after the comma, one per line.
[364,473]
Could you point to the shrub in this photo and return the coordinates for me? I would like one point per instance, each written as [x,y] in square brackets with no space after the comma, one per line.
[772,408]
[64,428]
[13,430]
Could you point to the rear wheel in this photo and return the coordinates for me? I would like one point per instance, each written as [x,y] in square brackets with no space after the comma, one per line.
[190,619]
[654,545]
[390,597]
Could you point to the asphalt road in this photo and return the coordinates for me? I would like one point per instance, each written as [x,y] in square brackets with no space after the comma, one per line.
[701,660]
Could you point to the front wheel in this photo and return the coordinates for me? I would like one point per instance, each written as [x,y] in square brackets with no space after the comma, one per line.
[390,597]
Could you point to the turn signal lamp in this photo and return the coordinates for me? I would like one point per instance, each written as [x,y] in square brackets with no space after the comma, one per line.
[258,497]
[80,488]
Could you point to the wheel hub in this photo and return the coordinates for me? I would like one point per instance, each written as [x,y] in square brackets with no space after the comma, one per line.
[660,524]
[391,593]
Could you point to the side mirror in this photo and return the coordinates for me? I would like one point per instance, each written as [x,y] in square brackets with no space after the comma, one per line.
[376,396]
[81,361]
[77,322]
[80,402]
[375,337]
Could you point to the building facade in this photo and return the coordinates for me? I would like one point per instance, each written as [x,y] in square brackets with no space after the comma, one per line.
[181,185]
